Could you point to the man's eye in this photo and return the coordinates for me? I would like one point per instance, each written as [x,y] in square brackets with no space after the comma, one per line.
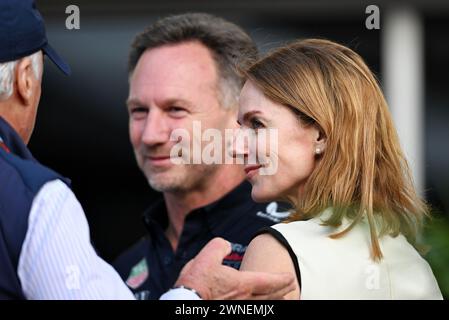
[256,124]
[177,111]
[139,112]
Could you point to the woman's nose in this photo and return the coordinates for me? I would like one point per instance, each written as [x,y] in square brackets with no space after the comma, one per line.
[239,144]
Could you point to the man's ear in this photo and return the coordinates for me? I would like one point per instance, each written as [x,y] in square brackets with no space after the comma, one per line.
[26,80]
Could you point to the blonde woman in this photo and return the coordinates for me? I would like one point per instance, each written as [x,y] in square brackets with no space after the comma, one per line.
[357,214]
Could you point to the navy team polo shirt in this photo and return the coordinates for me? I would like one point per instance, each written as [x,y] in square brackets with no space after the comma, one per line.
[150,267]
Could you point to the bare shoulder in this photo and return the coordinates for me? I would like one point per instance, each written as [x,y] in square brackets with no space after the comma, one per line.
[267,254]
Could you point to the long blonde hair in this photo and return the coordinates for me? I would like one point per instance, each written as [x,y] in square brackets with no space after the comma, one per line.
[363,171]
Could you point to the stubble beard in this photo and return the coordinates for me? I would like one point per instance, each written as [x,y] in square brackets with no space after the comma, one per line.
[188,178]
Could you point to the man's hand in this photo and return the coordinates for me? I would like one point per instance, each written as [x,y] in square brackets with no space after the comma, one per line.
[212,280]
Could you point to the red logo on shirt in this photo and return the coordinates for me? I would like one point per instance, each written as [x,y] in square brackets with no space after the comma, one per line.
[234,259]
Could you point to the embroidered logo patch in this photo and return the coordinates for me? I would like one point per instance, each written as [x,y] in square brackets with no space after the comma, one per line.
[138,274]
[272,213]
[234,259]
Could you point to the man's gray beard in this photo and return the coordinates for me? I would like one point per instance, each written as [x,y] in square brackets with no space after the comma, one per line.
[166,187]
[190,181]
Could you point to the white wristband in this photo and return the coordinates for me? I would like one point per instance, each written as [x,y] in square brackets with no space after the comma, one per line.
[180,293]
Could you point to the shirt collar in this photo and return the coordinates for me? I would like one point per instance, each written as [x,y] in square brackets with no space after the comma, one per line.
[14,144]
[156,213]
[237,196]
[233,203]
[230,208]
[13,141]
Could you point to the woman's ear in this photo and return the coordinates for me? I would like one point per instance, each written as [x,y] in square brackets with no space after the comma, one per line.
[320,142]
[25,79]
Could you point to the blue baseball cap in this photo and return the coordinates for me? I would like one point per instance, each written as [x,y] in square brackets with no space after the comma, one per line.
[22,32]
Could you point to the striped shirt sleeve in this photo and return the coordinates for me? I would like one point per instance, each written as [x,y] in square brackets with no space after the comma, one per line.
[57,260]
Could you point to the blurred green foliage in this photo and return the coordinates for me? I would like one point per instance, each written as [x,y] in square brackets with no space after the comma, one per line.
[436,235]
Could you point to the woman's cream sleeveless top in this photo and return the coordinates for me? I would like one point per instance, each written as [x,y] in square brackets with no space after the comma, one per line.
[342,268]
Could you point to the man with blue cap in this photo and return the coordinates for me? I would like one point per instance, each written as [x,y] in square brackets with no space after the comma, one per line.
[45,250]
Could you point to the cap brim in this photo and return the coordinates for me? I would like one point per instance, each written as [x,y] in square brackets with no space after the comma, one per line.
[57,60]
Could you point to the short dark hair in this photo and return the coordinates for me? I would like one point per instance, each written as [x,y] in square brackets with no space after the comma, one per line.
[229,44]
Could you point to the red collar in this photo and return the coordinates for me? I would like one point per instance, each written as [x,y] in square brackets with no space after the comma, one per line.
[4,146]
